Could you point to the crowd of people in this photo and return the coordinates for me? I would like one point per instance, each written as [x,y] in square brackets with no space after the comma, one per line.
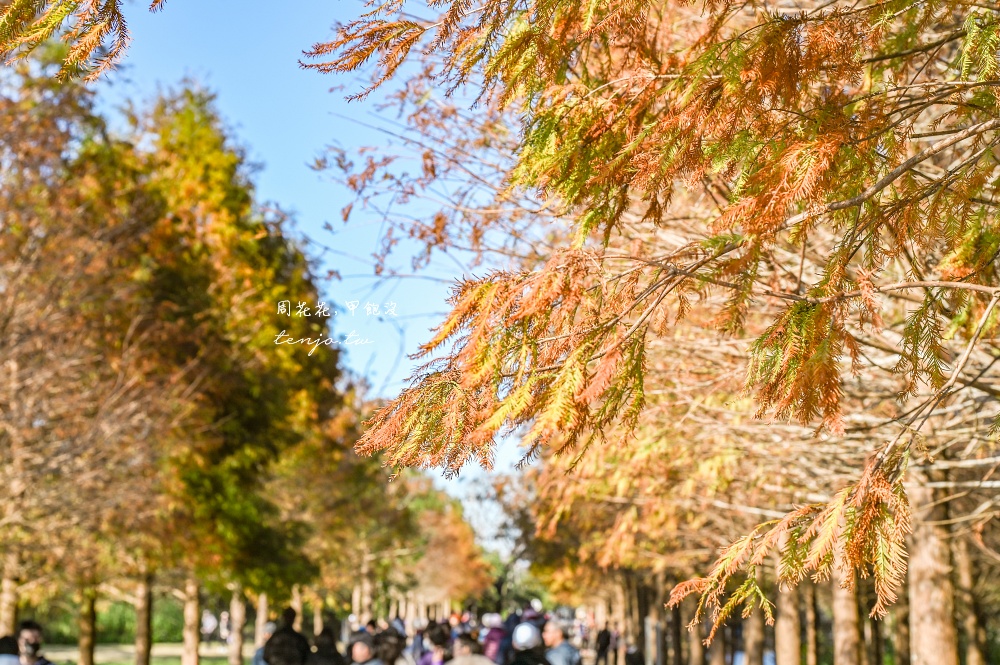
[525,638]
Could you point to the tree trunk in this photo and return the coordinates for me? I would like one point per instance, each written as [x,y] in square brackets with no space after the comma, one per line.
[638,595]
[933,638]
[356,602]
[753,632]
[873,627]
[8,596]
[619,625]
[868,634]
[192,623]
[87,625]
[788,629]
[846,632]
[144,620]
[967,605]
[676,633]
[629,593]
[364,611]
[318,623]
[696,649]
[717,650]
[878,641]
[653,621]
[237,622]
[812,637]
[411,611]
[753,638]
[258,628]
[297,606]
[901,634]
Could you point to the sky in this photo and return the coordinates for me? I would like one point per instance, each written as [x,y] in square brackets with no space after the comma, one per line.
[248,54]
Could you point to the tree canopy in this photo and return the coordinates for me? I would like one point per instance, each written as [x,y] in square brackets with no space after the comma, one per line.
[814,180]
[150,427]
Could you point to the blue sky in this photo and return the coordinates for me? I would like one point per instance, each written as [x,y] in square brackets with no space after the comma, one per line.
[248,54]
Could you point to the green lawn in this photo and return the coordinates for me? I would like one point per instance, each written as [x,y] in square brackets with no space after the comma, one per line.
[158,660]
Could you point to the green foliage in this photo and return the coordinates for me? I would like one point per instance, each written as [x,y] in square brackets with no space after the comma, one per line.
[168,619]
[795,363]
[115,620]
[982,40]
[176,275]
[219,272]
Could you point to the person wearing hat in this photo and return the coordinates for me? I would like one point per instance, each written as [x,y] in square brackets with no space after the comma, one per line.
[495,634]
[362,649]
[528,646]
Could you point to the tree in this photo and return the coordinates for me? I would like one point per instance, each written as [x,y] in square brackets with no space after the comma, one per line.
[360,527]
[214,276]
[844,154]
[802,130]
[377,542]
[144,398]
[77,398]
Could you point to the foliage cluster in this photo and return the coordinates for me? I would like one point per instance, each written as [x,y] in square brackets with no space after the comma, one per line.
[151,427]
[801,196]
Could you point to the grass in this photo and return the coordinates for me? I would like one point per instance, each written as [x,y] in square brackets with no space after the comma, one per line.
[158,660]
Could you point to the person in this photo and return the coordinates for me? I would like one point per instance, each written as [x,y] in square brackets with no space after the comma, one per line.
[528,647]
[417,644]
[507,646]
[495,634]
[559,650]
[615,641]
[603,644]
[208,625]
[362,649]
[29,642]
[436,637]
[266,631]
[287,646]
[399,625]
[634,656]
[389,647]
[9,651]
[326,650]
[468,651]
[534,617]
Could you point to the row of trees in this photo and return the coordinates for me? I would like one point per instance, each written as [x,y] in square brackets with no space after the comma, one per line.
[704,214]
[813,181]
[153,434]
